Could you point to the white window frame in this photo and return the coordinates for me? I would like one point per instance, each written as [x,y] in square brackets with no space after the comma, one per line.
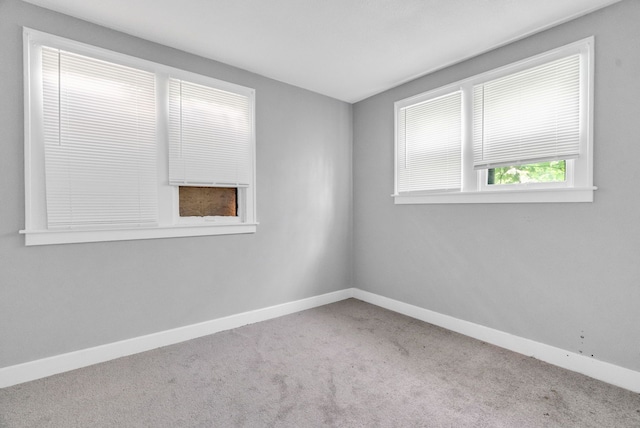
[578,186]
[170,224]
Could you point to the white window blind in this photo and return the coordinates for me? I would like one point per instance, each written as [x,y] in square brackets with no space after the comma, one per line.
[429,144]
[529,116]
[210,133]
[100,142]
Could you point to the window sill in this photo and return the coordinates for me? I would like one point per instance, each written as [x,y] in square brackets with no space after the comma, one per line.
[516,196]
[50,237]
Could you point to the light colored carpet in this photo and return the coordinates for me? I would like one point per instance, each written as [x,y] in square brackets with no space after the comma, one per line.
[348,364]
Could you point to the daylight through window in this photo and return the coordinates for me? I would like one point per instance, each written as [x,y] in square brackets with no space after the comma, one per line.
[521,133]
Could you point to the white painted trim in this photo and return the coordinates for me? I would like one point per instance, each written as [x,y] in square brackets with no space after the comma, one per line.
[504,196]
[37,369]
[68,236]
[606,372]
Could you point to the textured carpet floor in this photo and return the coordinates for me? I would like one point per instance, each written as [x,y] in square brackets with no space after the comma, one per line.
[348,364]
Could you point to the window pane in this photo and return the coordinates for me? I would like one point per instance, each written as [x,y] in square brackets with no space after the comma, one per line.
[542,172]
[429,144]
[210,135]
[530,116]
[100,142]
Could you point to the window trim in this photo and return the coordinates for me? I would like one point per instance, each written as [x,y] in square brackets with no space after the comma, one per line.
[169,223]
[579,183]
[48,237]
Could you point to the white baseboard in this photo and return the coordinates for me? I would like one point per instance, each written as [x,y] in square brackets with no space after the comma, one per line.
[606,372]
[37,369]
[600,370]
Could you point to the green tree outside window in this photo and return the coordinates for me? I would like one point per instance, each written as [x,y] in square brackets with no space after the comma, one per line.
[543,172]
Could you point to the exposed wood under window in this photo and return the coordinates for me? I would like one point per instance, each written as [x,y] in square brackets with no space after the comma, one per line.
[208,201]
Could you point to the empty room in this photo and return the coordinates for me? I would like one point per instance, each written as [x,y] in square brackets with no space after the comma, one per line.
[299,213]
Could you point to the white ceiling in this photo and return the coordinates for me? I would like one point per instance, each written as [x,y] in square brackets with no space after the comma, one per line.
[346,49]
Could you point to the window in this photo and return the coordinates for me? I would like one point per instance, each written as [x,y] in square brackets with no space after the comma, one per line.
[121,148]
[521,133]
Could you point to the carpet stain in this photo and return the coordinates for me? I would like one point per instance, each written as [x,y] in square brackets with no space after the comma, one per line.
[404,351]
[332,409]
[284,410]
[279,380]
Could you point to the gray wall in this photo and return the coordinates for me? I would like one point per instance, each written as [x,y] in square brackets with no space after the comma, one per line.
[61,298]
[567,275]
